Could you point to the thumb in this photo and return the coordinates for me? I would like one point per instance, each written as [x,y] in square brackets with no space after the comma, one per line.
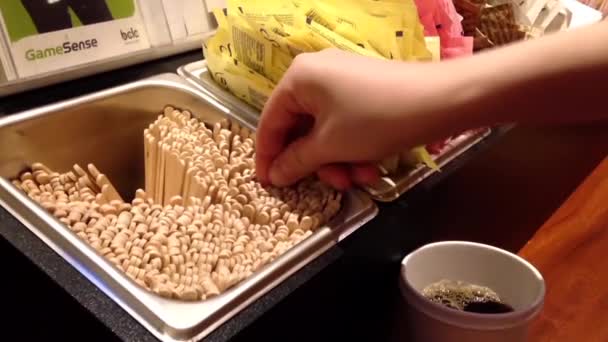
[298,160]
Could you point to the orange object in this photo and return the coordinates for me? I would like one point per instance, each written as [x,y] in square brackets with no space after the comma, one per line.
[571,251]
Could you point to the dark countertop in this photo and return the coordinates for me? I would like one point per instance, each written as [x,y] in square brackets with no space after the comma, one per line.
[47,298]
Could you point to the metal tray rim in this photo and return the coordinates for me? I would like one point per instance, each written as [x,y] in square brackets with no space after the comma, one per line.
[417,175]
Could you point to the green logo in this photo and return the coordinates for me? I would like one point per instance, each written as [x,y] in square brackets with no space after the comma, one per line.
[63,49]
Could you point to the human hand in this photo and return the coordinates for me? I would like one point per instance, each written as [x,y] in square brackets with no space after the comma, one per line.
[337,114]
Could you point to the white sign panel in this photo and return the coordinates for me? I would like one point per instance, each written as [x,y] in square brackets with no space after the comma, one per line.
[49,35]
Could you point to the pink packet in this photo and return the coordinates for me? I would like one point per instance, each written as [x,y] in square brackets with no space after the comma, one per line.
[426,12]
[440,18]
[447,8]
[430,28]
[457,47]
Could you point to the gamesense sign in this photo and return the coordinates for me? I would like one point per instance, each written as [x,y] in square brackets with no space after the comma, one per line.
[63,49]
[52,51]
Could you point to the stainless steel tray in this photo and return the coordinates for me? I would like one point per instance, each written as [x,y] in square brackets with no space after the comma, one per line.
[106,128]
[389,188]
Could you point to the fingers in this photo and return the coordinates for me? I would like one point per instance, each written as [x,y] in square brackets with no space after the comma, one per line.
[337,176]
[279,116]
[298,160]
[364,174]
[342,176]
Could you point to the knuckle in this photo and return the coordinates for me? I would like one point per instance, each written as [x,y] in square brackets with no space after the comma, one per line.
[298,72]
[303,64]
[302,59]
[293,162]
[298,160]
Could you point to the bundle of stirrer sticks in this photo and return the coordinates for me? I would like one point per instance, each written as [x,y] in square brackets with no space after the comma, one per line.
[184,157]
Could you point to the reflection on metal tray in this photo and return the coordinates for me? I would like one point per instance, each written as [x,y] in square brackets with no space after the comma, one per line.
[389,188]
[198,74]
[106,128]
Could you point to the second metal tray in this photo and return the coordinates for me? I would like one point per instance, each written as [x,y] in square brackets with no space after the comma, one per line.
[391,187]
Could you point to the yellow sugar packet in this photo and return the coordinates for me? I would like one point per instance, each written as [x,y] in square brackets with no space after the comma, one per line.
[327,38]
[343,24]
[282,37]
[226,70]
[419,49]
[417,156]
[405,44]
[228,73]
[280,49]
[374,22]
[270,21]
[358,24]
[262,11]
[378,40]
[414,36]
[250,47]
